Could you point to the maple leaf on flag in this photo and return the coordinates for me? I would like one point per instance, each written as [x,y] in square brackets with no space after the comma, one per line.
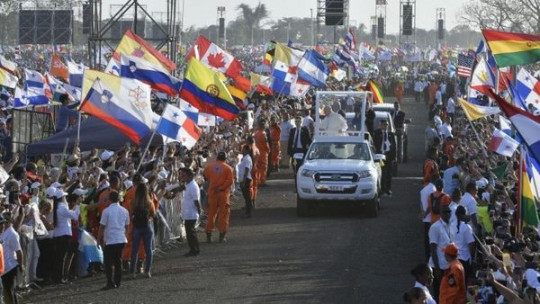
[216,60]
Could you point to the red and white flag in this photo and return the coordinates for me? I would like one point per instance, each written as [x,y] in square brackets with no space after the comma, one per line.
[501,143]
[214,57]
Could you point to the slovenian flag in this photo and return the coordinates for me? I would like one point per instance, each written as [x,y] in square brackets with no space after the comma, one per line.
[177,126]
[156,76]
[123,103]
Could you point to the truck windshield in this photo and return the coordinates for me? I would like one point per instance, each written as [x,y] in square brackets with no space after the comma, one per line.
[325,150]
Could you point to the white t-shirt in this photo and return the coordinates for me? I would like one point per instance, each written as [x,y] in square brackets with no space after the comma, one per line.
[191,194]
[469,202]
[450,106]
[424,199]
[11,244]
[463,239]
[440,234]
[429,298]
[438,98]
[115,218]
[63,219]
[286,127]
[246,163]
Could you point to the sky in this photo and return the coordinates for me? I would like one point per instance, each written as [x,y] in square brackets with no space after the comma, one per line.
[204,12]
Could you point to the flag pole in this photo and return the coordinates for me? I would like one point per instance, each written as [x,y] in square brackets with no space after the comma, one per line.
[520,192]
[146,149]
[77,141]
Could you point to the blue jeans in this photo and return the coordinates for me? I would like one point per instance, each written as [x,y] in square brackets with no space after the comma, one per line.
[147,236]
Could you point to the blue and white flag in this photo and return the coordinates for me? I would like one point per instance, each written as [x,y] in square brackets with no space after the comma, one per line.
[157,77]
[312,69]
[202,119]
[76,72]
[177,126]
[35,88]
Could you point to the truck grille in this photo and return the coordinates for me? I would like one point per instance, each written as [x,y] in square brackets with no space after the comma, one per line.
[336,177]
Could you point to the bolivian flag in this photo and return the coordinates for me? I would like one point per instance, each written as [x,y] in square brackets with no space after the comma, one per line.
[513,48]
[204,89]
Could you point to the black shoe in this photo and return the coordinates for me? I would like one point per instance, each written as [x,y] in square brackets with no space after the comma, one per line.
[108,287]
[209,237]
[222,238]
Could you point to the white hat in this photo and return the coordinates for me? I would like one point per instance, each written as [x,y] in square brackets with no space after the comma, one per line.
[50,192]
[80,192]
[251,106]
[128,184]
[35,185]
[60,193]
[482,183]
[106,155]
[104,185]
[57,185]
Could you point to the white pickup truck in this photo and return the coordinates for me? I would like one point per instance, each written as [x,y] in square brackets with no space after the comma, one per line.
[339,167]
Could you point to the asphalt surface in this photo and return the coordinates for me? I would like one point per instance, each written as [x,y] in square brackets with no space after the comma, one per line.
[336,256]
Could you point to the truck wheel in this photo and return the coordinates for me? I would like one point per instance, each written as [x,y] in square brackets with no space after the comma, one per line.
[373,207]
[302,207]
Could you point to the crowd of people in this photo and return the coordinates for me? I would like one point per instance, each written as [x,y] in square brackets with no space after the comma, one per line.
[474,249]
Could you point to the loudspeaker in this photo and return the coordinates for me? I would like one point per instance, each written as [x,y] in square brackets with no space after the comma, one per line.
[407,28]
[334,12]
[373,31]
[87,18]
[221,30]
[440,29]
[380,27]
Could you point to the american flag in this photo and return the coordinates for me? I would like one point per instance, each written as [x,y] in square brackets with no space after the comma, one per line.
[465,65]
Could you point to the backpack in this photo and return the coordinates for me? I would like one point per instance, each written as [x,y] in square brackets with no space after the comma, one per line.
[436,203]
[140,217]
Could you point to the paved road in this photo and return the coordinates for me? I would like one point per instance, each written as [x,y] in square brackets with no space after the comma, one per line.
[337,256]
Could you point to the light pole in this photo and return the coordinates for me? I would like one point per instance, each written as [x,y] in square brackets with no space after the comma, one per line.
[311,23]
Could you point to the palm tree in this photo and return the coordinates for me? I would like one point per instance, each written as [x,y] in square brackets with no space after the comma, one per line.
[253,17]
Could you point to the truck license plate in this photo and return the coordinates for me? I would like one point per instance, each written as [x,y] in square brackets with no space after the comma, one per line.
[335,188]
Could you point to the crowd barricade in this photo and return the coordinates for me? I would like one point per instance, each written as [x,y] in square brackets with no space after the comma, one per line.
[168,224]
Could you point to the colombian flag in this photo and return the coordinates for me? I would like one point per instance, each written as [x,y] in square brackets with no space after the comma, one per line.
[238,95]
[204,89]
[377,94]
[513,48]
[133,45]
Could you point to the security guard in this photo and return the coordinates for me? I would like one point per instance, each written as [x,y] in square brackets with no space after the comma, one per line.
[453,290]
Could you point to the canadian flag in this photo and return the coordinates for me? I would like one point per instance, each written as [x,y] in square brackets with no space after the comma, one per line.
[501,143]
[214,57]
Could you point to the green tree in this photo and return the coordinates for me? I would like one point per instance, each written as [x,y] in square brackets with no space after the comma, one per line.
[253,16]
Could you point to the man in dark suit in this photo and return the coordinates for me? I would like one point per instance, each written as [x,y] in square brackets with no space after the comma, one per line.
[385,143]
[299,142]
[398,116]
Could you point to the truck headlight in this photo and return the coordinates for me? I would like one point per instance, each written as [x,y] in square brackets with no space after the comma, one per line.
[308,173]
[363,174]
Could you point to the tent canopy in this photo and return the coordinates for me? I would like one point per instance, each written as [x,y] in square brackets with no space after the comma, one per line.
[95,134]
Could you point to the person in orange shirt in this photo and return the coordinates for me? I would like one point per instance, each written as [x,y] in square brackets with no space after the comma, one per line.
[264,148]
[399,91]
[275,136]
[432,90]
[128,199]
[220,177]
[453,289]
[255,171]
[430,166]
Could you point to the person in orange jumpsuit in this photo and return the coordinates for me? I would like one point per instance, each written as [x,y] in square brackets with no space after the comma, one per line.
[399,91]
[220,177]
[432,89]
[430,166]
[453,289]
[264,148]
[255,171]
[128,198]
[275,136]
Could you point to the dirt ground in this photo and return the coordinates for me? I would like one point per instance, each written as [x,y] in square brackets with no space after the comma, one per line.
[336,256]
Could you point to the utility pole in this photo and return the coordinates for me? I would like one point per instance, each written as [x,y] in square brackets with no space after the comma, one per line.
[311,23]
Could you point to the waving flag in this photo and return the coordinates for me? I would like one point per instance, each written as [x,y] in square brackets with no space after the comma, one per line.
[465,65]
[76,71]
[502,144]
[482,79]
[238,95]
[214,57]
[20,99]
[73,92]
[528,87]
[133,45]
[157,77]
[512,48]
[529,212]
[7,65]
[350,39]
[527,125]
[261,83]
[285,73]
[204,89]
[312,69]
[113,67]
[474,112]
[123,103]
[176,125]
[7,79]
[377,94]
[58,68]
[36,88]
[504,125]
[202,119]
